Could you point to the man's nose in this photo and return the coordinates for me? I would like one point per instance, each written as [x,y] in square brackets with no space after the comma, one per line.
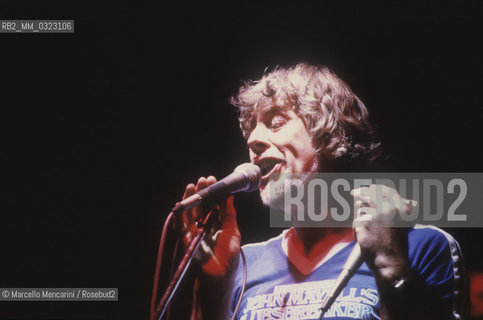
[258,140]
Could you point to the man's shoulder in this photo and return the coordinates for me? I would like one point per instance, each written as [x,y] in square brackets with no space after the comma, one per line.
[430,235]
[263,245]
[433,250]
[263,258]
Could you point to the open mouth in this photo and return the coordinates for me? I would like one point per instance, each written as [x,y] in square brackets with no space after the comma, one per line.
[267,166]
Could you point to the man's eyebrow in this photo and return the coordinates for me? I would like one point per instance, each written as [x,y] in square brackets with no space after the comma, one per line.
[273,109]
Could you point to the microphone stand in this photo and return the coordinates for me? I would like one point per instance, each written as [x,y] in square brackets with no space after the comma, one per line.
[350,267]
[184,264]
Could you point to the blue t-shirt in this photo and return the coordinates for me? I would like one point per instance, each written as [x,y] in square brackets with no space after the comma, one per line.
[275,289]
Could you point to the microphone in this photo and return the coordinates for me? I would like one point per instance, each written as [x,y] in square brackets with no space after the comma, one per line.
[350,267]
[245,177]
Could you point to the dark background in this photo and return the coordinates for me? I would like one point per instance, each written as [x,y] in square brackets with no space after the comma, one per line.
[102,129]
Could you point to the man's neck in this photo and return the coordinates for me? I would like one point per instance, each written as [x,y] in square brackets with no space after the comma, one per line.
[311,236]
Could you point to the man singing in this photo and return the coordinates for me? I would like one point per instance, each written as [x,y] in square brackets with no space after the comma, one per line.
[302,120]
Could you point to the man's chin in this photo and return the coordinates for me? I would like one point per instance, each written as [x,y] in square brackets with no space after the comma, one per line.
[272,195]
[274,192]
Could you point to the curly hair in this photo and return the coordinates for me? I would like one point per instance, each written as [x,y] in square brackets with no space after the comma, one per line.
[336,119]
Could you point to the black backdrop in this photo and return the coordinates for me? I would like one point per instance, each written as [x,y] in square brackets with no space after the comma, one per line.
[101,129]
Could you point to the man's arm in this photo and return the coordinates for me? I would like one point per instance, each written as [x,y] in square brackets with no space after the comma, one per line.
[217,257]
[403,292]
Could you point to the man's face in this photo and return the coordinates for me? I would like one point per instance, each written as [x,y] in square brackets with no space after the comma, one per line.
[280,143]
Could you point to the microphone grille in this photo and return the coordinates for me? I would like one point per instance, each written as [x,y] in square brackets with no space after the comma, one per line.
[252,173]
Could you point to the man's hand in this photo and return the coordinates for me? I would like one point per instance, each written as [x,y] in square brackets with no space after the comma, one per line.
[218,254]
[383,246]
[220,250]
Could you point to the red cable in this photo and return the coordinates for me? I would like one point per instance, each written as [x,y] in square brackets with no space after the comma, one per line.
[158,264]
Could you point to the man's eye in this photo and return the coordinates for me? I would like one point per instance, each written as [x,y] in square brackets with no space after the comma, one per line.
[277,122]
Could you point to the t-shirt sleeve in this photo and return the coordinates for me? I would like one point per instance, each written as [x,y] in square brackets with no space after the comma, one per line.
[436,260]
[238,282]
